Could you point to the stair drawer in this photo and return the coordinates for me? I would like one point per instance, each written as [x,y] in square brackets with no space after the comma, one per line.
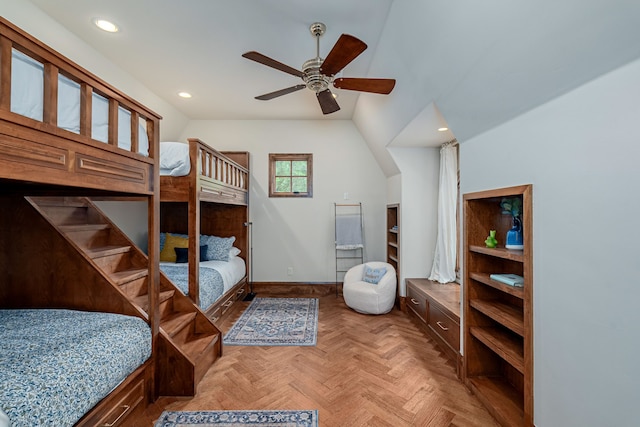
[417,302]
[444,326]
[125,406]
[120,405]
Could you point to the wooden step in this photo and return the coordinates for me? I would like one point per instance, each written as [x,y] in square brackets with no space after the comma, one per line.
[166,295]
[177,322]
[60,201]
[72,228]
[206,357]
[142,301]
[124,276]
[90,234]
[135,288]
[107,251]
[66,215]
[198,343]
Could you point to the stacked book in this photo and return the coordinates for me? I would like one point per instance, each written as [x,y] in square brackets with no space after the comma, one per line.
[508,279]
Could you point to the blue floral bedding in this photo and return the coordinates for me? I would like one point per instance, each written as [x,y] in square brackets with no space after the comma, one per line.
[211,283]
[55,365]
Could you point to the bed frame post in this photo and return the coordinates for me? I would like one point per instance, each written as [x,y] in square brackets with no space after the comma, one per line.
[194,226]
[5,73]
[153,223]
[50,107]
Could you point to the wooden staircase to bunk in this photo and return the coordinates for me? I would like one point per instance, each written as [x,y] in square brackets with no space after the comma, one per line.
[188,341]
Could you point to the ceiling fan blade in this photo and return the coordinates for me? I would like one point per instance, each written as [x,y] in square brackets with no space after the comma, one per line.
[277,93]
[346,49]
[327,102]
[383,86]
[265,60]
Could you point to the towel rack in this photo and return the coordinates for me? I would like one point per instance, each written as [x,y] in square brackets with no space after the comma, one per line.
[349,238]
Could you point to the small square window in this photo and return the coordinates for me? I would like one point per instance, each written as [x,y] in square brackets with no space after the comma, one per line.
[290,175]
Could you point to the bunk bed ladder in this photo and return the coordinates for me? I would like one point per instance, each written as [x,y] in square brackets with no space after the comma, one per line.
[349,238]
[189,342]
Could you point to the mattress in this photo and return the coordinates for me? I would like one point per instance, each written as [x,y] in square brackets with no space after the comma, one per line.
[27,95]
[58,364]
[216,278]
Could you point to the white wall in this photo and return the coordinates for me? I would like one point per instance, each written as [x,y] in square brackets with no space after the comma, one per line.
[420,169]
[130,217]
[299,232]
[394,189]
[581,154]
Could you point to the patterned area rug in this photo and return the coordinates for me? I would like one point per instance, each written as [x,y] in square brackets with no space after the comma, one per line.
[238,418]
[276,321]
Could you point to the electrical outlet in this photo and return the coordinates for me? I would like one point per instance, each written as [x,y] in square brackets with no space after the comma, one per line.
[289,271]
[346,195]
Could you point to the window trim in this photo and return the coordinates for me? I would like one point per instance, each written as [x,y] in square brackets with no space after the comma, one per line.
[273,157]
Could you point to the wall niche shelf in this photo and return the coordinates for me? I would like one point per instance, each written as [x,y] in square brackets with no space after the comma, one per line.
[498,318]
[393,247]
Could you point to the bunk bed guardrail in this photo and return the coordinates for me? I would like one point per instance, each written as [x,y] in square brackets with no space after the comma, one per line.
[219,176]
[57,115]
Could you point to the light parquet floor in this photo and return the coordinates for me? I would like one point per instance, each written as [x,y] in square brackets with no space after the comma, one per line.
[364,371]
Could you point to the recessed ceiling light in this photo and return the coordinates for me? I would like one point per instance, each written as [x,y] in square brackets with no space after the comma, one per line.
[443,129]
[105,25]
[184,94]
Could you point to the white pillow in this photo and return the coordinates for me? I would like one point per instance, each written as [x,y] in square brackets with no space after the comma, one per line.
[234,252]
[173,154]
[4,419]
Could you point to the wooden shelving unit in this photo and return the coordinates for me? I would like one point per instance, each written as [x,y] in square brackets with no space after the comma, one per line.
[498,318]
[393,246]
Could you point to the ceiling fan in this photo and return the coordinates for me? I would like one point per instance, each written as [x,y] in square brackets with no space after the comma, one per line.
[318,74]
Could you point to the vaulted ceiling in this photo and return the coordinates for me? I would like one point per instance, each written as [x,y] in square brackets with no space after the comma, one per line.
[466,64]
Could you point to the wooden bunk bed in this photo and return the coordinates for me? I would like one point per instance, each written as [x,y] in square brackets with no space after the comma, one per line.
[208,198]
[60,253]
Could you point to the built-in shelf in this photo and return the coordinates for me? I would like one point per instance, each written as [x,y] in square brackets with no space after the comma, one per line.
[503,344]
[497,332]
[500,395]
[505,314]
[509,254]
[517,292]
[393,247]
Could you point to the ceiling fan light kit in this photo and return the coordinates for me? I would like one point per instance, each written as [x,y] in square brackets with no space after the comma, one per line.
[319,74]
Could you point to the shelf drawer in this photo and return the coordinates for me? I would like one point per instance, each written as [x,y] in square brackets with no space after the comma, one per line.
[444,326]
[417,302]
[215,314]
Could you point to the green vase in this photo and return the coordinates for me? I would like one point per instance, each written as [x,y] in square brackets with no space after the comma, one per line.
[491,241]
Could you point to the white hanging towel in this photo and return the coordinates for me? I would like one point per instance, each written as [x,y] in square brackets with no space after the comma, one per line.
[348,232]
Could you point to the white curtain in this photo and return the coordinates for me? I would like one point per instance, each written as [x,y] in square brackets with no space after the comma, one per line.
[444,260]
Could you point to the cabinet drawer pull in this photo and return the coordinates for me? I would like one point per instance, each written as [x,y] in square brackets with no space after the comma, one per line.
[444,328]
[228,303]
[125,410]
[414,302]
